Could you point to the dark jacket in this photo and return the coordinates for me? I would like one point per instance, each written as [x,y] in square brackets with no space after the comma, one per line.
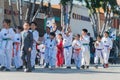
[27,41]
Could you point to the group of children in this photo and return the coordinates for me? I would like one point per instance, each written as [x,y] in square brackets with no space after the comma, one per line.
[55,49]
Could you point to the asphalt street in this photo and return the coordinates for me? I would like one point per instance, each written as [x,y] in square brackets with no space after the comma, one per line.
[112,73]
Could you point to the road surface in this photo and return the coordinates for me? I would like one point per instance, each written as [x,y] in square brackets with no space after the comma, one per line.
[112,73]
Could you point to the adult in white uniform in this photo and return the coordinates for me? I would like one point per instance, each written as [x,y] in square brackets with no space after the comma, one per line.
[7,35]
[67,44]
[107,42]
[85,39]
[98,51]
[35,33]
[77,46]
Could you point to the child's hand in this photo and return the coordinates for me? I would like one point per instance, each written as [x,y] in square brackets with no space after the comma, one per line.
[29,49]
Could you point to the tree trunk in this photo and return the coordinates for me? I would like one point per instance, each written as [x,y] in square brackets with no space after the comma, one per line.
[12,13]
[38,10]
[32,10]
[19,8]
[71,7]
[27,11]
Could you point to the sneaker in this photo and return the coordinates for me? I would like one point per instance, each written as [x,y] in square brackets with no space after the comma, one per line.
[46,66]
[68,67]
[7,70]
[2,68]
[96,66]
[83,67]
[87,67]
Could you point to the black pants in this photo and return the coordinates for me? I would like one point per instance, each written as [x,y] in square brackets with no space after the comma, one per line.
[26,57]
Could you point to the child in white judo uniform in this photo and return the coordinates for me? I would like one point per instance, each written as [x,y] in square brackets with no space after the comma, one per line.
[51,47]
[35,33]
[46,38]
[77,46]
[41,54]
[7,35]
[85,39]
[67,44]
[98,51]
[107,42]
[16,49]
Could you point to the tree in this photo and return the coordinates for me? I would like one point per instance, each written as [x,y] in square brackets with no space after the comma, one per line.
[109,7]
[67,15]
[19,8]
[32,10]
[12,13]
[28,10]
[38,10]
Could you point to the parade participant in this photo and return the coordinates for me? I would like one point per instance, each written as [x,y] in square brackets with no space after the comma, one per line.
[60,57]
[98,51]
[51,46]
[47,34]
[16,48]
[35,33]
[41,54]
[107,42]
[67,44]
[46,38]
[77,46]
[86,50]
[55,30]
[7,36]
[26,47]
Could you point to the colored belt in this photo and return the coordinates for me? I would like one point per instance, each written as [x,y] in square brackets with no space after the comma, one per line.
[67,46]
[99,49]
[5,39]
[106,45]
[77,49]
[85,44]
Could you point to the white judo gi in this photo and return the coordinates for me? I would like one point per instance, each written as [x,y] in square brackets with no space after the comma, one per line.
[85,51]
[17,51]
[98,52]
[46,37]
[34,51]
[7,36]
[41,48]
[51,51]
[77,46]
[67,43]
[107,42]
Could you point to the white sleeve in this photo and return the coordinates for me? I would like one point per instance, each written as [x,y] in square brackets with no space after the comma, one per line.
[111,44]
[87,39]
[36,36]
[73,44]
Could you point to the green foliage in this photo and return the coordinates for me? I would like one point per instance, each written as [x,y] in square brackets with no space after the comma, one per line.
[64,2]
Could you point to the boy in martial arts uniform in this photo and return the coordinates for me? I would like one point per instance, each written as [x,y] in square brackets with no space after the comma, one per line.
[7,36]
[98,51]
[51,46]
[16,49]
[46,38]
[41,54]
[86,50]
[77,46]
[35,33]
[67,45]
[107,42]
